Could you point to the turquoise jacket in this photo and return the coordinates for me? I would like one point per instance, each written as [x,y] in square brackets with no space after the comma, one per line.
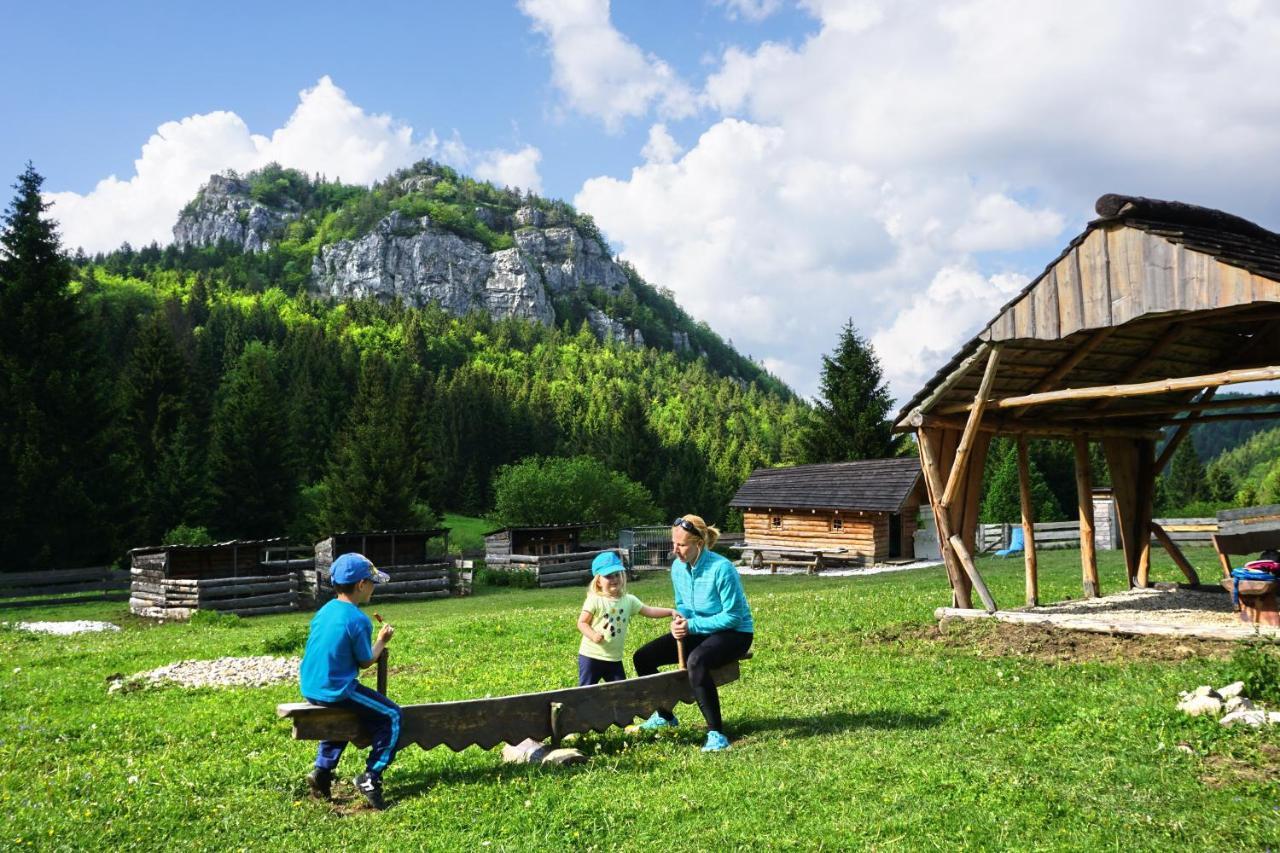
[709,594]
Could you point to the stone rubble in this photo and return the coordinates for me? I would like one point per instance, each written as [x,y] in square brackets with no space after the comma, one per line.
[257,671]
[79,626]
[1230,702]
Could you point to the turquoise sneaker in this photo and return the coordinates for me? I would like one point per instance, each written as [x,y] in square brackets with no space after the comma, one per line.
[656,722]
[715,742]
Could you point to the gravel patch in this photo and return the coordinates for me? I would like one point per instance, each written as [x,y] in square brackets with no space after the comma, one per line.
[1153,606]
[222,672]
[82,626]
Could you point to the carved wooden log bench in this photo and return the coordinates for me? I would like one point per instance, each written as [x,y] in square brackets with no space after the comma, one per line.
[510,719]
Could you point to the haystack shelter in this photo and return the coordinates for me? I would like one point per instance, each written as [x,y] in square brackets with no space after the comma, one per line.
[862,512]
[1131,330]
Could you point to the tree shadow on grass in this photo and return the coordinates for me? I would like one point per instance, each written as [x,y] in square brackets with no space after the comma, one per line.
[840,721]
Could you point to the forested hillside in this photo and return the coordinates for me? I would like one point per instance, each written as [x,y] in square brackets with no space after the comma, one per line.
[223,395]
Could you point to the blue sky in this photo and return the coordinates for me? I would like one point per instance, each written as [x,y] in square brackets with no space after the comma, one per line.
[781,166]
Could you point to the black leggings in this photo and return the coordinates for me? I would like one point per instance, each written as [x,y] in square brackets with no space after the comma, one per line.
[702,653]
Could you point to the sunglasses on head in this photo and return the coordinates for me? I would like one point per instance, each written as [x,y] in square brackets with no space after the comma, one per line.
[688,526]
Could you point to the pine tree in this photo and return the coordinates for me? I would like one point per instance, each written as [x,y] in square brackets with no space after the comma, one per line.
[372,481]
[252,476]
[1186,481]
[850,420]
[1001,500]
[56,441]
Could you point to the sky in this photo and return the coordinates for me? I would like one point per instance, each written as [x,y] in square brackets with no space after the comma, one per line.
[781,167]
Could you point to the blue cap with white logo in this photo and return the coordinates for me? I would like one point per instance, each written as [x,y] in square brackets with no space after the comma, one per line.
[606,563]
[352,568]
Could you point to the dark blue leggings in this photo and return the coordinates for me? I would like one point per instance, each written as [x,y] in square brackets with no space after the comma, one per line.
[379,715]
[591,670]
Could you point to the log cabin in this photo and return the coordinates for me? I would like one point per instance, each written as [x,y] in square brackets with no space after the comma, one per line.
[860,512]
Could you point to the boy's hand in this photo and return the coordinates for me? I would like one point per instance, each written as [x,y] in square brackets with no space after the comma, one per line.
[386,634]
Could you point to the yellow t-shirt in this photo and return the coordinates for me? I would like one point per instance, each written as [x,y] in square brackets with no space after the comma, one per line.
[609,616]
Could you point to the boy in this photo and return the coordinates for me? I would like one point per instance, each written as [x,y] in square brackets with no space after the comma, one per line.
[337,649]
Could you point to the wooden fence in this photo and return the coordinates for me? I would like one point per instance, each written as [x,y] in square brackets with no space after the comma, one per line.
[62,586]
[1066,534]
[551,570]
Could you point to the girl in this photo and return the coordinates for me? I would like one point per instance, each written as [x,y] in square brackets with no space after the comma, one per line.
[604,619]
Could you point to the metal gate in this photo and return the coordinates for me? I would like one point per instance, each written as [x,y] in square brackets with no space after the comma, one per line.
[646,546]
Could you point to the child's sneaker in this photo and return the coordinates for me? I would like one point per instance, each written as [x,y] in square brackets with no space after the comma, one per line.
[657,722]
[715,742]
[320,781]
[370,787]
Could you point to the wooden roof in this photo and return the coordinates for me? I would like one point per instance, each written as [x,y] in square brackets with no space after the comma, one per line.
[543,528]
[1152,290]
[874,485]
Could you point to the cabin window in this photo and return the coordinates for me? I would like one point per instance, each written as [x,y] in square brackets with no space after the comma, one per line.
[560,548]
[837,523]
[775,521]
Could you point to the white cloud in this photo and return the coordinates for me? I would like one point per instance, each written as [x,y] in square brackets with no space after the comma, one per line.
[752,10]
[907,146]
[937,322]
[511,169]
[326,133]
[599,71]
[661,147]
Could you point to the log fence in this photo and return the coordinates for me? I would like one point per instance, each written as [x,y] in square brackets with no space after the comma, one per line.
[62,586]
[550,570]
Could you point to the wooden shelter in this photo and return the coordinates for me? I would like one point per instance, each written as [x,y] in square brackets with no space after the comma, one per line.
[418,562]
[535,540]
[240,576]
[862,511]
[1131,330]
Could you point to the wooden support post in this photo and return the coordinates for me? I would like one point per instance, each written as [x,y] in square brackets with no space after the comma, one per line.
[1146,500]
[966,560]
[960,465]
[1122,461]
[1084,500]
[1028,523]
[929,442]
[1175,553]
[1223,558]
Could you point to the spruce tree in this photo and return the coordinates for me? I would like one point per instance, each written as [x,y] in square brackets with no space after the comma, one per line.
[850,420]
[252,476]
[56,447]
[1001,499]
[1186,482]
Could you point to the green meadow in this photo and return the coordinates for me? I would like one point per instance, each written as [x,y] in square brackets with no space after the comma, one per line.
[858,724]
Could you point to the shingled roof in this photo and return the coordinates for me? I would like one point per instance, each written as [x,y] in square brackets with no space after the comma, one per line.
[873,485]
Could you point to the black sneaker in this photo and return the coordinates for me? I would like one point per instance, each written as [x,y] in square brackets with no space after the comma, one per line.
[320,781]
[370,787]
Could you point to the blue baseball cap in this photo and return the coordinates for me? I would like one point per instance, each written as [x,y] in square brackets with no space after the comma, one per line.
[352,568]
[606,563]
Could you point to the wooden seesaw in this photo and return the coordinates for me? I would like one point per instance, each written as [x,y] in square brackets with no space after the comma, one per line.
[510,719]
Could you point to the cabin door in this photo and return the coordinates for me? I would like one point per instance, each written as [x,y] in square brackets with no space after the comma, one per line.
[895,535]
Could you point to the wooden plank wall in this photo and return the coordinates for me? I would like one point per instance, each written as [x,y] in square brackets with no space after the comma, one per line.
[866,536]
[1117,274]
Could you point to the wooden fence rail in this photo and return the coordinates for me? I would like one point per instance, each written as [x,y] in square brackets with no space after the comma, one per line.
[62,586]
[1066,534]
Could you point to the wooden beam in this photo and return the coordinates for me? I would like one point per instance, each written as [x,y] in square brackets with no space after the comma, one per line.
[1224,559]
[1182,432]
[1223,416]
[1122,462]
[1175,553]
[966,560]
[960,465]
[1084,500]
[1161,386]
[1207,405]
[1069,363]
[1146,499]
[945,386]
[928,442]
[1028,523]
[1009,427]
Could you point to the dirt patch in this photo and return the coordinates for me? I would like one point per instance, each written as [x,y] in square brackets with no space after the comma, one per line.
[1223,770]
[989,638]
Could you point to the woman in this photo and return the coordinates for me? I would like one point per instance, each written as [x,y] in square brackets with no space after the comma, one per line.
[713,619]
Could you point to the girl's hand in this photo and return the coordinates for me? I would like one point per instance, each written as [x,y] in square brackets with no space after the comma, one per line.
[598,639]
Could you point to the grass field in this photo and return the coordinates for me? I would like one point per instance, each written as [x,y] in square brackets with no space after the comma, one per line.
[857,725]
[466,532]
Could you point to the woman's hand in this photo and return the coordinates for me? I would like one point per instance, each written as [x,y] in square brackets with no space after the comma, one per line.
[679,627]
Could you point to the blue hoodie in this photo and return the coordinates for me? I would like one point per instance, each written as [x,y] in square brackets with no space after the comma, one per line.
[709,594]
